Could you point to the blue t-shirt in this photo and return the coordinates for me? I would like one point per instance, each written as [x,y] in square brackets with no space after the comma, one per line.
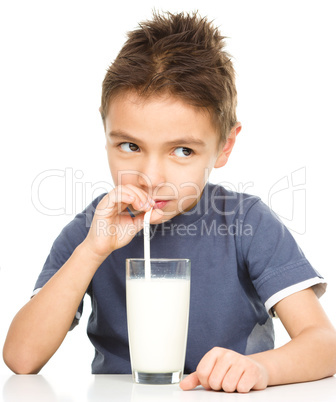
[243,261]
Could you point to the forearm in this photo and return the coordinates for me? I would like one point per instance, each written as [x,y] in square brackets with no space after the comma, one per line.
[41,325]
[309,356]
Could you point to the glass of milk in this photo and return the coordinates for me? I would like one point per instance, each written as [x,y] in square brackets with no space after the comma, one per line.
[157,318]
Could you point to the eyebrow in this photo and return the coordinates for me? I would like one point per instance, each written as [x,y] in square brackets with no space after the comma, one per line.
[122,135]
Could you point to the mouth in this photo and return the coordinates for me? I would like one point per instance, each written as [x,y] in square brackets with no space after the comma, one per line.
[160,204]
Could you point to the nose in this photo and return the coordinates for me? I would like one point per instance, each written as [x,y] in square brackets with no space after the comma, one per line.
[151,174]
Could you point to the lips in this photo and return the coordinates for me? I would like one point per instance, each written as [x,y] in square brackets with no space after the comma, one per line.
[159,204]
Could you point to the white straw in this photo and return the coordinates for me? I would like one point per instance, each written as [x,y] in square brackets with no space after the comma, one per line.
[146,231]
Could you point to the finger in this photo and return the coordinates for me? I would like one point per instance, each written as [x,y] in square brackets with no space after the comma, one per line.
[123,196]
[190,382]
[138,220]
[219,371]
[232,378]
[143,200]
[246,382]
[156,216]
[114,202]
[254,377]
[206,365]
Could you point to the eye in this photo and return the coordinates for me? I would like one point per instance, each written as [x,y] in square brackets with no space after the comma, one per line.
[129,147]
[183,152]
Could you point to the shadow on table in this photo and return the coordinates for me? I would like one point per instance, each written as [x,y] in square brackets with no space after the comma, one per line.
[121,388]
[28,388]
[104,388]
[107,388]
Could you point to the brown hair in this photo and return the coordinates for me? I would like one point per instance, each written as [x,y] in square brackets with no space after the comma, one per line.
[180,54]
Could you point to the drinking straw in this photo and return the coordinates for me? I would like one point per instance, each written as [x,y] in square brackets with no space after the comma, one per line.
[146,231]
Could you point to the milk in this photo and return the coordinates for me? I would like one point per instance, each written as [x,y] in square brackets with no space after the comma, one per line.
[157,319]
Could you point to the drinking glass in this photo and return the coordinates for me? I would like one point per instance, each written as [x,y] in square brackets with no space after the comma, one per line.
[157,318]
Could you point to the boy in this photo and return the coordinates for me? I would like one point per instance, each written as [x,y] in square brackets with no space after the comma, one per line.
[168,108]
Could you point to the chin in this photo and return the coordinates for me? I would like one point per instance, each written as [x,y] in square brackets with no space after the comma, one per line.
[163,216]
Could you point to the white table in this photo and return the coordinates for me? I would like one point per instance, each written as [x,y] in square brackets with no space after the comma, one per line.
[120,388]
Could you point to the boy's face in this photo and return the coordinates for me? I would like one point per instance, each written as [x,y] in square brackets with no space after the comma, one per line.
[163,146]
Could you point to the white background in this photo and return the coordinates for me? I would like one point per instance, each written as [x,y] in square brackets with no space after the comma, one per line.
[54,55]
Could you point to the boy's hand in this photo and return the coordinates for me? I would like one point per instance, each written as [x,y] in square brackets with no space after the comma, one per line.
[112,226]
[225,369]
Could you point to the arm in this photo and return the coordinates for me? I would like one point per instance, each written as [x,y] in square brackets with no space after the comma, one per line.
[310,355]
[41,325]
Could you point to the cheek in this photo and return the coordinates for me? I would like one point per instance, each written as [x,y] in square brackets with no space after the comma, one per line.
[195,174]
[122,177]
[120,174]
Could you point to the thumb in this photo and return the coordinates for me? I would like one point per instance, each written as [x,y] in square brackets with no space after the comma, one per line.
[138,221]
[190,382]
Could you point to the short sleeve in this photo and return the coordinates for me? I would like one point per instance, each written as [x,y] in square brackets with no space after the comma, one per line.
[276,264]
[70,237]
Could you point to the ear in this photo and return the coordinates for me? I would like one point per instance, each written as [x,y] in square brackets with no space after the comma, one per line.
[224,154]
